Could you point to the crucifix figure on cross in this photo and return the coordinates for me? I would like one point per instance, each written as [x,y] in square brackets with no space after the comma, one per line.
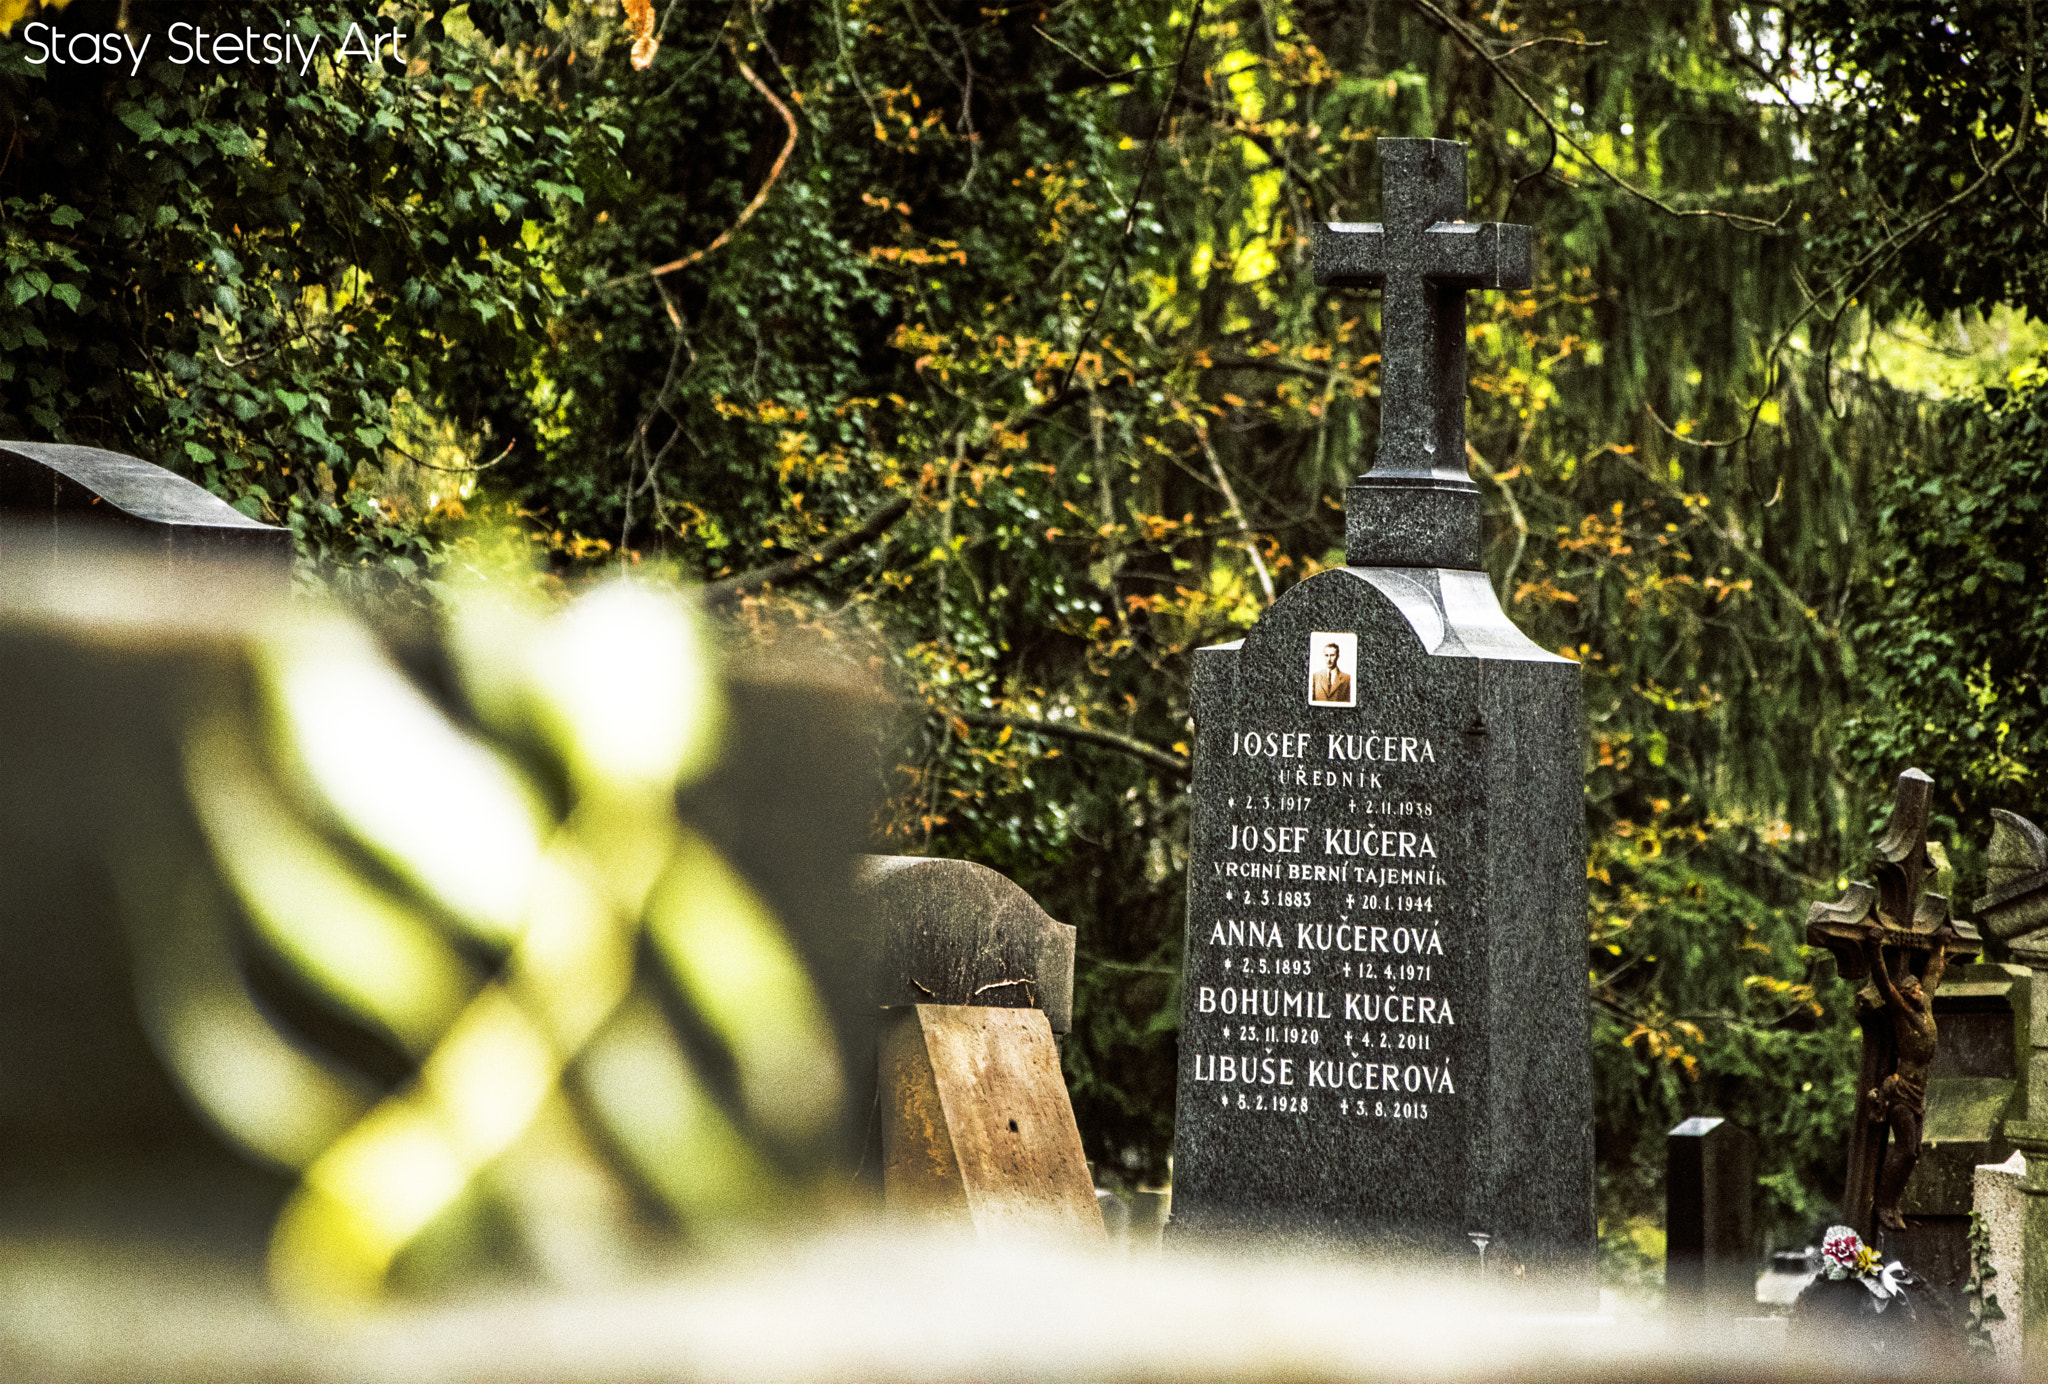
[1901,936]
[1417,506]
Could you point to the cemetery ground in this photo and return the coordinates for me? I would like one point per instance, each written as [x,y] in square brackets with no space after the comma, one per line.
[1060,417]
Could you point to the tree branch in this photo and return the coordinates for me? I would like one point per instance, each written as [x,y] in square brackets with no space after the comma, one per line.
[1251,542]
[1754,223]
[746,213]
[1870,263]
[1123,241]
[1573,42]
[1138,749]
[1265,143]
[1040,412]
[1100,75]
[729,590]
[1271,365]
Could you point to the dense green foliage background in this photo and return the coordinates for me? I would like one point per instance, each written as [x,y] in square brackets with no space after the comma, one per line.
[1042,270]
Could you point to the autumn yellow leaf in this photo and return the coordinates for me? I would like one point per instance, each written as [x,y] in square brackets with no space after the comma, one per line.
[640,20]
[13,11]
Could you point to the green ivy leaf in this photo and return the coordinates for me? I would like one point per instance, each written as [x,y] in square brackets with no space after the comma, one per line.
[141,121]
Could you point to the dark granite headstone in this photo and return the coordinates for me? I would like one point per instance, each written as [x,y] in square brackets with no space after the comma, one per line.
[1710,1253]
[53,497]
[1384,1024]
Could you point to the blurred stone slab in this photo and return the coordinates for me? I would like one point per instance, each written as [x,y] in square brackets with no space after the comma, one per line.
[953,932]
[977,1132]
[109,665]
[882,1309]
[789,804]
[52,496]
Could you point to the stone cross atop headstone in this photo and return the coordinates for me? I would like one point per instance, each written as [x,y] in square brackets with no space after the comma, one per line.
[1417,506]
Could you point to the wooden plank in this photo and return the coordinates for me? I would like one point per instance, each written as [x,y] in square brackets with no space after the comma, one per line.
[920,1172]
[977,1129]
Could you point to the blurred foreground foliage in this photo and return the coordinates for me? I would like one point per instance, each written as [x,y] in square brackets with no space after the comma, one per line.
[1041,271]
[505,1013]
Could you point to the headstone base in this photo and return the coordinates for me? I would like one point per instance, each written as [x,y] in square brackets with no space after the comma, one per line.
[2002,1207]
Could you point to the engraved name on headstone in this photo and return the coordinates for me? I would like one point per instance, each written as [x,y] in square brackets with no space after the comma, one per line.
[1384,1025]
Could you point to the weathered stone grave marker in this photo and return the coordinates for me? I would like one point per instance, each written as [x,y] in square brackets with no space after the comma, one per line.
[968,982]
[1384,1025]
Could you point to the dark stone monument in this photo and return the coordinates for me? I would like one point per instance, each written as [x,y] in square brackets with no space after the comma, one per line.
[54,497]
[1384,1025]
[1710,1257]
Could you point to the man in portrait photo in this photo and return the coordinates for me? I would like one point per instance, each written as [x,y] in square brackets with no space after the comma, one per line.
[1330,683]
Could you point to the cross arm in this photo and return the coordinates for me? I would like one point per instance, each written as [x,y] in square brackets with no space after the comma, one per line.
[1469,254]
[1351,254]
[1460,254]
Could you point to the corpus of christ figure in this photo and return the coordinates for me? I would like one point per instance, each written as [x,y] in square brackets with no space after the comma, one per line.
[1900,1101]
